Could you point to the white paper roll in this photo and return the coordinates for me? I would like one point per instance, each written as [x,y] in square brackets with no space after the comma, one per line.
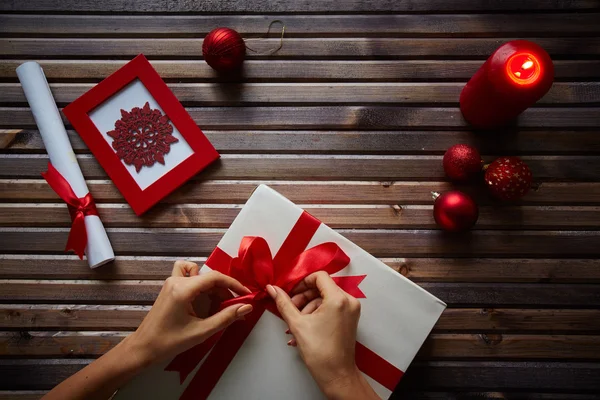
[47,117]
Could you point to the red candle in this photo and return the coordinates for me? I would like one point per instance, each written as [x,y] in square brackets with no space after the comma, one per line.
[516,75]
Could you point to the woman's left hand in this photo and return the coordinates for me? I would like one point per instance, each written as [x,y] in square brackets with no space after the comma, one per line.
[180,318]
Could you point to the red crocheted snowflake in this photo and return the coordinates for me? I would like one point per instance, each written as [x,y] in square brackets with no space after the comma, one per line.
[142,137]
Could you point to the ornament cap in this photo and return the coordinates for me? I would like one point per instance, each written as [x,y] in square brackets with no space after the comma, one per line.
[435,195]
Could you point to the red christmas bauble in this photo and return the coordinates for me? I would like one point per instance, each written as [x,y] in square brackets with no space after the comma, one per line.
[462,162]
[224,49]
[508,178]
[455,211]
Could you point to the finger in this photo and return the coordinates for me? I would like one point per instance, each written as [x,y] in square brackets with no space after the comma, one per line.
[292,342]
[302,299]
[284,304]
[323,283]
[185,268]
[214,279]
[223,318]
[194,270]
[312,306]
[300,287]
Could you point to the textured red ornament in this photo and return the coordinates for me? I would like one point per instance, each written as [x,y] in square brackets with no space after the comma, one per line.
[508,178]
[462,162]
[142,137]
[455,211]
[224,49]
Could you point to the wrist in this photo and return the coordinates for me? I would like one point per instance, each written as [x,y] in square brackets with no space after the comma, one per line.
[350,385]
[136,351]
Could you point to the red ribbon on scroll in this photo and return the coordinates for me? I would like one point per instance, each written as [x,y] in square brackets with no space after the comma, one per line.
[255,268]
[78,208]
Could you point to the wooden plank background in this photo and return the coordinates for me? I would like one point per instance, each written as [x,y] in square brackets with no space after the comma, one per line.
[350,119]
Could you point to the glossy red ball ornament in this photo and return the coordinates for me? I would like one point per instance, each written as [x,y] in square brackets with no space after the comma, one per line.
[224,49]
[508,178]
[462,162]
[455,211]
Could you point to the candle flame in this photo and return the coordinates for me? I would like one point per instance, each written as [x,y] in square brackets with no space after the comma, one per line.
[527,64]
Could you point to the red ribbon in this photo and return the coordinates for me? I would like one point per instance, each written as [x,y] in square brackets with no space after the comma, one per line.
[78,208]
[255,268]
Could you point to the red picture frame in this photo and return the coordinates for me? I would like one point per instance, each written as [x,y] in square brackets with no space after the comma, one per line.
[140,199]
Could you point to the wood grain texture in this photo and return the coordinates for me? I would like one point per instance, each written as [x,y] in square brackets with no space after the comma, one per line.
[437,346]
[348,117]
[527,142]
[73,317]
[452,25]
[336,216]
[331,48]
[323,167]
[467,295]
[417,269]
[258,6]
[296,70]
[218,94]
[383,243]
[431,376]
[315,192]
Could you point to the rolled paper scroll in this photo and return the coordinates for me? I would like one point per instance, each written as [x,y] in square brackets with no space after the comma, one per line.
[51,127]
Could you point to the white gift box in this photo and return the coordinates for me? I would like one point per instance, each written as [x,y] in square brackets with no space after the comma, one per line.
[396,318]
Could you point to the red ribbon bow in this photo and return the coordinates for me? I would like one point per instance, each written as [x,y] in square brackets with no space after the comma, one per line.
[78,209]
[255,268]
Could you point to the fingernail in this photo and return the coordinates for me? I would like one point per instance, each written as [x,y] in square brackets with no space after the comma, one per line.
[290,342]
[287,332]
[247,290]
[271,290]
[243,310]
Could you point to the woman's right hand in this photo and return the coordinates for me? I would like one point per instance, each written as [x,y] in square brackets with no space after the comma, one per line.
[323,320]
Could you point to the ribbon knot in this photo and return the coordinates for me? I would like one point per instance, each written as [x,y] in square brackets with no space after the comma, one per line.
[79,208]
[256,268]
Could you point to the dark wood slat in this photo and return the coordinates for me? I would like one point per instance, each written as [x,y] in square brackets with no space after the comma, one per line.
[501,376]
[297,70]
[258,6]
[326,192]
[498,346]
[299,48]
[492,320]
[356,142]
[302,25]
[416,269]
[476,320]
[71,317]
[348,117]
[339,216]
[431,376]
[455,294]
[215,94]
[383,243]
[22,395]
[286,167]
[437,346]
[506,294]
[98,292]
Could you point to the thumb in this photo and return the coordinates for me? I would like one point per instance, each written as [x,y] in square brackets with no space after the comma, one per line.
[224,318]
[284,304]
